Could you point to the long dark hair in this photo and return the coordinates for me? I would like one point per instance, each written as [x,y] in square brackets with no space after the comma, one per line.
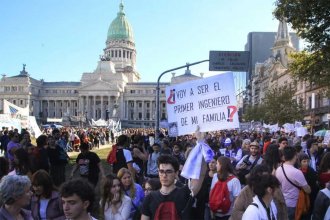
[42,178]
[325,163]
[272,157]
[225,169]
[106,195]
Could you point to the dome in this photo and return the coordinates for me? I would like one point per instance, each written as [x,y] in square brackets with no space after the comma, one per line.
[119,28]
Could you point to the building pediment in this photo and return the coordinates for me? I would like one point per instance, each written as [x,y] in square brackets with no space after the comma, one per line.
[100,85]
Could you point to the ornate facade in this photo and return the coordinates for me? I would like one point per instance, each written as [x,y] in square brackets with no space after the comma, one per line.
[112,91]
[274,73]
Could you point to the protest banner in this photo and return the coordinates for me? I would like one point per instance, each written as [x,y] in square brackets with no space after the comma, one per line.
[208,102]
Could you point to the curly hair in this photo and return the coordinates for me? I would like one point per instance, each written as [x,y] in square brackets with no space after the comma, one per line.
[13,187]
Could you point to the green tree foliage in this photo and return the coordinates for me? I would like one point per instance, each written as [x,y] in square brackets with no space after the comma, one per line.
[311,20]
[278,107]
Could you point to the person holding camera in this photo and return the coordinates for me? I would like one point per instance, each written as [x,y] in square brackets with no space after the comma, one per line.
[245,165]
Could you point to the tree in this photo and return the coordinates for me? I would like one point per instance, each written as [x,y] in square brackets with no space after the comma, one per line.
[311,20]
[279,106]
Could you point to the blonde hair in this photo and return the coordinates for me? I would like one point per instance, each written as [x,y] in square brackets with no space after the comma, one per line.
[132,188]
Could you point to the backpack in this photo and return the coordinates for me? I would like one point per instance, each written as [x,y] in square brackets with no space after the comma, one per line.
[220,196]
[111,159]
[121,161]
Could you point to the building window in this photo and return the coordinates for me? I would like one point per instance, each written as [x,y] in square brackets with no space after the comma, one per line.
[115,53]
[132,104]
[162,91]
[119,53]
[164,104]
[14,88]
[140,104]
[140,115]
[124,53]
[148,115]
[14,101]
[132,91]
[111,53]
[21,102]
[132,115]
[148,104]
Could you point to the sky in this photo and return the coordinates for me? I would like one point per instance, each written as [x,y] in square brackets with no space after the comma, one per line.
[58,40]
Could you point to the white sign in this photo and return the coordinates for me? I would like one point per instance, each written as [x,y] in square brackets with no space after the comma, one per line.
[229,61]
[208,102]
[328,116]
[301,131]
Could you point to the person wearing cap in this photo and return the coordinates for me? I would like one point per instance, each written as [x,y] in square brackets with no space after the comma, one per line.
[248,162]
[232,151]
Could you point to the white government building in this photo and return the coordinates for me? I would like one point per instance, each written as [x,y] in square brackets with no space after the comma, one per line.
[112,91]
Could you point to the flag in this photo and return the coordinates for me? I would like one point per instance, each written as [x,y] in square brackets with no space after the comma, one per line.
[10,108]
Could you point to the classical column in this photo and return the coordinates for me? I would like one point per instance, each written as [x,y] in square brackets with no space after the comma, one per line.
[143,110]
[55,103]
[102,108]
[135,110]
[94,107]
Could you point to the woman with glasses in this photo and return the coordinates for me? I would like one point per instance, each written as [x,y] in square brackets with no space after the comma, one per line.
[133,190]
[115,205]
[150,185]
[46,201]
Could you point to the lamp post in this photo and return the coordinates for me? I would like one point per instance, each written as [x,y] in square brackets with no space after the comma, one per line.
[157,93]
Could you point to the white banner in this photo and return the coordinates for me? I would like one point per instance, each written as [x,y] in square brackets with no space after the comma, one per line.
[208,102]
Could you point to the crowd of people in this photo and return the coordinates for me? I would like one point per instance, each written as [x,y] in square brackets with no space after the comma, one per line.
[240,175]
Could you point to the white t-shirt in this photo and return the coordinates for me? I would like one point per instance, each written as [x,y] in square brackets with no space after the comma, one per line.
[234,187]
[259,213]
[123,213]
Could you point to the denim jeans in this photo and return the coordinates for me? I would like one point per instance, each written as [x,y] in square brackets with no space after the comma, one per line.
[291,212]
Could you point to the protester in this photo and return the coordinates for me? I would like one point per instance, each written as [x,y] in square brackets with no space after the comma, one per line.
[150,185]
[132,190]
[4,167]
[311,178]
[22,163]
[263,206]
[89,165]
[46,201]
[15,195]
[168,168]
[324,172]
[77,197]
[272,158]
[322,204]
[245,165]
[12,146]
[120,157]
[245,198]
[152,169]
[40,159]
[115,205]
[225,172]
[288,174]
[57,162]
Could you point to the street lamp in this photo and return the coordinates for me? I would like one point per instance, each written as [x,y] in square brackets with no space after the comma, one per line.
[157,94]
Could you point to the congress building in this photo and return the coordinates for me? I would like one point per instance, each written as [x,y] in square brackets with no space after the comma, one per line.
[112,91]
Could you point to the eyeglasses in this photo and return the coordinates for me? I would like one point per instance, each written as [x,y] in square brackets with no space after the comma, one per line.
[167,172]
[148,189]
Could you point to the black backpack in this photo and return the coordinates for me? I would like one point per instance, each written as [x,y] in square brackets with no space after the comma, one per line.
[121,161]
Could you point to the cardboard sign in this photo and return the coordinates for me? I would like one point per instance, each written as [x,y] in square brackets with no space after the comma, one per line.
[208,102]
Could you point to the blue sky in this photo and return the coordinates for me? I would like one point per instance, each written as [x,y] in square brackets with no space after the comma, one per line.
[58,40]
